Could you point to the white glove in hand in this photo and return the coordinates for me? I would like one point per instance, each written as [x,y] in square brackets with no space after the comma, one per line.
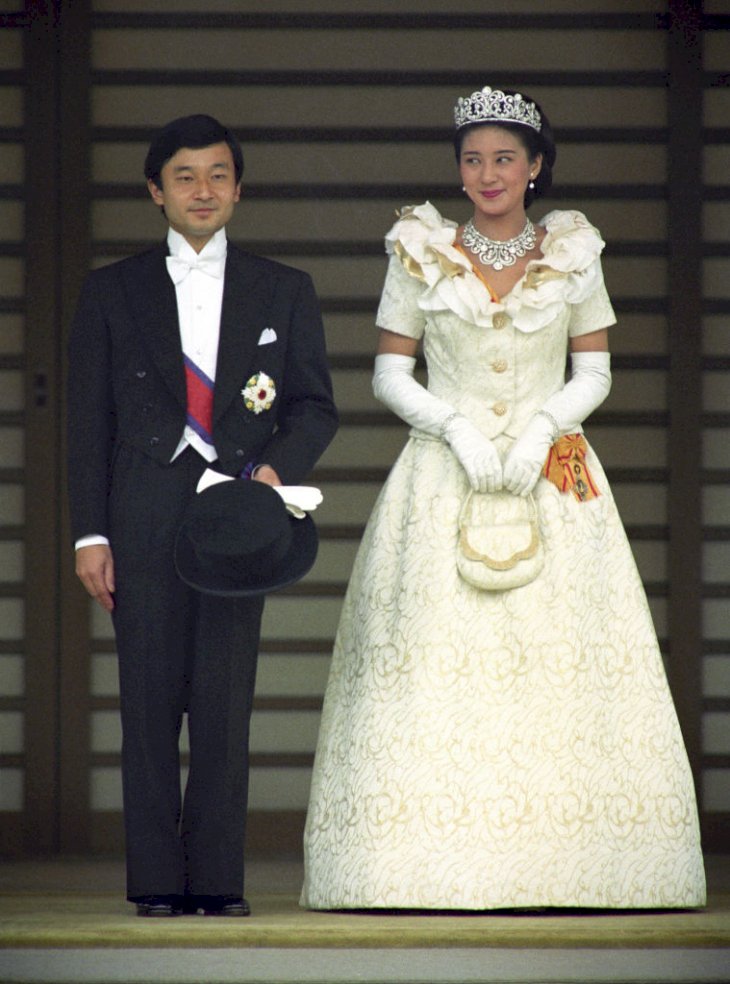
[527,456]
[563,413]
[476,453]
[394,385]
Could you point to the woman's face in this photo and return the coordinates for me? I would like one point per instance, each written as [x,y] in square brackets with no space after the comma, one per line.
[495,170]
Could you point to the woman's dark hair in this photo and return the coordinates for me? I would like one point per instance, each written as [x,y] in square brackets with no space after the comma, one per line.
[189,131]
[534,143]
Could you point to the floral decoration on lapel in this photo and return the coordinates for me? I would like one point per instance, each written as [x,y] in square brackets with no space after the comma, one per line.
[259,393]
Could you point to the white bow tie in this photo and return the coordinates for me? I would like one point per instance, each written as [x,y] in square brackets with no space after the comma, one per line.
[179,268]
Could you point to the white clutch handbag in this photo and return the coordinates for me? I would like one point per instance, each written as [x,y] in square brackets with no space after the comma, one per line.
[499,546]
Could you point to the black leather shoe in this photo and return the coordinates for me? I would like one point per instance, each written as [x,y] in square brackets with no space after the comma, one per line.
[159,906]
[218,905]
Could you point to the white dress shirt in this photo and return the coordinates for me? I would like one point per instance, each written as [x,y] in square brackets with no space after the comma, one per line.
[199,302]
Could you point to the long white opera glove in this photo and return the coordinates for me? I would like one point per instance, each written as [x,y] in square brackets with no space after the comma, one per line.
[395,386]
[563,413]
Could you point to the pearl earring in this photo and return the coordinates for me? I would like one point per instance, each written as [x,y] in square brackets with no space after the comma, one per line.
[531,185]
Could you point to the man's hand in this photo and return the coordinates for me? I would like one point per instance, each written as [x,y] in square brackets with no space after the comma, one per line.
[95,568]
[267,475]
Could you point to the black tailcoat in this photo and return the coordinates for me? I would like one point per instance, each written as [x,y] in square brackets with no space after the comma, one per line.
[179,650]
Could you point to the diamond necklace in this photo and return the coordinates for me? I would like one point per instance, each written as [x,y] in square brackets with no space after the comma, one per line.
[496,253]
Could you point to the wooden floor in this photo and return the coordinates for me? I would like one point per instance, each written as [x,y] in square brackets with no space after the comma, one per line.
[68,921]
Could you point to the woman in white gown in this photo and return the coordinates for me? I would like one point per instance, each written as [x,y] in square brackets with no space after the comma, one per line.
[485,749]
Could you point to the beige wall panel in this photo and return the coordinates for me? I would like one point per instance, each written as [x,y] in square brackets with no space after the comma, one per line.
[716,54]
[637,389]
[639,334]
[11,277]
[292,674]
[628,447]
[12,221]
[104,675]
[12,334]
[716,277]
[12,621]
[295,617]
[335,558]
[716,563]
[716,505]
[11,163]
[609,164]
[715,618]
[11,790]
[716,790]
[635,277]
[105,788]
[12,562]
[353,390]
[716,448]
[386,6]
[361,447]
[651,559]
[279,106]
[11,106]
[716,219]
[11,732]
[640,503]
[716,164]
[377,50]
[106,732]
[12,675]
[284,731]
[12,503]
[346,502]
[716,391]
[631,221]
[12,447]
[716,733]
[279,789]
[716,106]
[11,48]
[12,390]
[716,676]
[716,335]
[351,334]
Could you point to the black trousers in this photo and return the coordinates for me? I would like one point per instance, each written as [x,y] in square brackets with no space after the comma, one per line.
[179,651]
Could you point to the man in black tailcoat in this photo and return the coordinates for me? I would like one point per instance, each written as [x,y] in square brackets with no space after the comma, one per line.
[189,356]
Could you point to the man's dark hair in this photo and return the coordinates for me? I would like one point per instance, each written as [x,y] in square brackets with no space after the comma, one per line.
[189,131]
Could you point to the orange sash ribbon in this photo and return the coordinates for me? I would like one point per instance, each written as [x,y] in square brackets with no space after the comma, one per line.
[567,470]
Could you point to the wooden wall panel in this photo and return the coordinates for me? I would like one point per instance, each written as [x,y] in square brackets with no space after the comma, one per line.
[346,116]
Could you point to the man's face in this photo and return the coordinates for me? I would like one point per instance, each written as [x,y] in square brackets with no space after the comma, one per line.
[198,191]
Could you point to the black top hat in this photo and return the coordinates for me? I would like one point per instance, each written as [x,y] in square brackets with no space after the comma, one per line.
[237,538]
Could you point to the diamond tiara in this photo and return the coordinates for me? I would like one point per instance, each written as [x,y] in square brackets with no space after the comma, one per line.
[494,106]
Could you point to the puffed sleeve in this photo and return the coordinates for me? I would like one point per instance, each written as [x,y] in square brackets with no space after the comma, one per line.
[398,310]
[593,312]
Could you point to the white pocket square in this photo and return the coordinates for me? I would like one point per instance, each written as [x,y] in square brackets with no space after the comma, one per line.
[268,335]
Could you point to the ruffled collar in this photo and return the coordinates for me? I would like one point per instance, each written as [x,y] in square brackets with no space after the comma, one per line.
[567,272]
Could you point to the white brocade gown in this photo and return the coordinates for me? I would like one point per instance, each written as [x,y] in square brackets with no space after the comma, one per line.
[483,750]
